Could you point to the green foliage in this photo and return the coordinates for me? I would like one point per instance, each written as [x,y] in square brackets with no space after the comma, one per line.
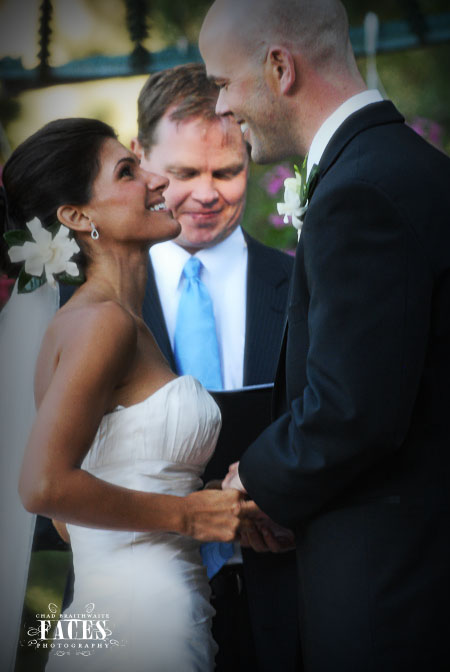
[17,237]
[46,583]
[28,283]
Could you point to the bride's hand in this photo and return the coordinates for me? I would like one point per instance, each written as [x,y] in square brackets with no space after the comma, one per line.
[232,479]
[212,515]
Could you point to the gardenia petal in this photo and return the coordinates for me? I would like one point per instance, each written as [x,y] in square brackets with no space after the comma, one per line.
[68,245]
[17,253]
[291,206]
[50,279]
[34,263]
[72,269]
[292,198]
[296,222]
[62,234]
[62,251]
[70,248]
[46,252]
[34,226]
[291,184]
[42,237]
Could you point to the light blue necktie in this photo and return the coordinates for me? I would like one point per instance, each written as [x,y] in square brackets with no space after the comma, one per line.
[197,353]
[195,343]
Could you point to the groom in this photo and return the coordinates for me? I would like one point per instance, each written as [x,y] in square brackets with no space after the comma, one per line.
[357,460]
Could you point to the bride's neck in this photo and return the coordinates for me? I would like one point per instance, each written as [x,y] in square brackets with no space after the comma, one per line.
[121,278]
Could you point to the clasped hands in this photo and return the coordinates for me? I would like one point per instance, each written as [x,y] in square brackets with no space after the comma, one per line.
[255,530]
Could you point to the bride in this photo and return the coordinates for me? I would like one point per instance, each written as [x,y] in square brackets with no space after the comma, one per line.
[118,444]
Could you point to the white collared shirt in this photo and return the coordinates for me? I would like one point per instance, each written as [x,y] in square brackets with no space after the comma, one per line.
[330,125]
[224,274]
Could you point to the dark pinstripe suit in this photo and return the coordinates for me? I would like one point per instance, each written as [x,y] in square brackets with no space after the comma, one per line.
[270,579]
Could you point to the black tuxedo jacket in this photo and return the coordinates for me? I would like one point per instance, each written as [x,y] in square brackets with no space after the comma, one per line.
[357,460]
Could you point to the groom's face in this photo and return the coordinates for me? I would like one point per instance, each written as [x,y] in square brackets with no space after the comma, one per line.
[244,93]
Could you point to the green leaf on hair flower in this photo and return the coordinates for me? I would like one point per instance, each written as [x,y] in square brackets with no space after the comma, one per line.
[18,237]
[28,283]
[66,279]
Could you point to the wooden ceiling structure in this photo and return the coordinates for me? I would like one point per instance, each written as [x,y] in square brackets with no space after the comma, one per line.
[416,30]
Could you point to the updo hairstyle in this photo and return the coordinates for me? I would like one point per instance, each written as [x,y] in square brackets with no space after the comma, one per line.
[55,166]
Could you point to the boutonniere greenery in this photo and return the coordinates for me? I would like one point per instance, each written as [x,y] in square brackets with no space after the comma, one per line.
[297,195]
[46,253]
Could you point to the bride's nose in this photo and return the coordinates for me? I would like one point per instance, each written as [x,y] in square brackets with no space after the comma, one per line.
[156,182]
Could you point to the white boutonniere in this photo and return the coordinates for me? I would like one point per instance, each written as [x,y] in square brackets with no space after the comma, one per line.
[297,195]
[45,255]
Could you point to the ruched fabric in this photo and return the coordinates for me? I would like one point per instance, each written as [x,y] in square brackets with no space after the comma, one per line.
[152,585]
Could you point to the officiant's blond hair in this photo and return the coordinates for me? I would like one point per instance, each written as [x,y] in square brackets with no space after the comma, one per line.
[185,90]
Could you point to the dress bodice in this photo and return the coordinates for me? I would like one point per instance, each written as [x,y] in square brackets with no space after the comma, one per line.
[151,584]
[161,444]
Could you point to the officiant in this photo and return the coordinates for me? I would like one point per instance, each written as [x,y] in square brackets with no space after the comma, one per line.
[216,274]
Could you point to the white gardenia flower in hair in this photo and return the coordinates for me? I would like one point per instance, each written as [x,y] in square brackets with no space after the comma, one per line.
[46,252]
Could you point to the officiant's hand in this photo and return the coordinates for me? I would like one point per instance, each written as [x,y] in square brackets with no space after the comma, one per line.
[232,479]
[261,533]
[212,515]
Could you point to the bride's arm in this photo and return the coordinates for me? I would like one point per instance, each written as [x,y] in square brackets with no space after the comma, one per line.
[93,362]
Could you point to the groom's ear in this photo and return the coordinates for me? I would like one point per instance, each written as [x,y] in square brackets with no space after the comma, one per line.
[280,68]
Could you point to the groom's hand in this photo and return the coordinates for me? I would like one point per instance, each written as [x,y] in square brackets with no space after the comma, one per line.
[261,533]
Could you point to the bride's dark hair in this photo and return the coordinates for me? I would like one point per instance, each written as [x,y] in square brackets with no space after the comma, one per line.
[57,165]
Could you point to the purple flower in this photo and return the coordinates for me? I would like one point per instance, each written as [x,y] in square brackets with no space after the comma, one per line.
[277,221]
[428,129]
[273,180]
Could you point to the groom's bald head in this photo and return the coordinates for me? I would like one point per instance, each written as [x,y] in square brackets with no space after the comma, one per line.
[318,28]
[283,66]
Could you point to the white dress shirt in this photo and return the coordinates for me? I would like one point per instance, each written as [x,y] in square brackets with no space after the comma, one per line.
[330,125]
[224,274]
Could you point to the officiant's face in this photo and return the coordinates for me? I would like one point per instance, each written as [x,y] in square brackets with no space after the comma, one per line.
[206,163]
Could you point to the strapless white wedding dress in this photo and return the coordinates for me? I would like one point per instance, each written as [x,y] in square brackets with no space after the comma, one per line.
[152,586]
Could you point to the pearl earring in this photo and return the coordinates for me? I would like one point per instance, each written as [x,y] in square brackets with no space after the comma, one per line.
[94,233]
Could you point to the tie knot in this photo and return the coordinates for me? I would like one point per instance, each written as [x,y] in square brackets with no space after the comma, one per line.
[192,268]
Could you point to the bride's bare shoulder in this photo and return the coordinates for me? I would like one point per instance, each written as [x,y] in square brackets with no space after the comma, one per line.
[92,336]
[104,320]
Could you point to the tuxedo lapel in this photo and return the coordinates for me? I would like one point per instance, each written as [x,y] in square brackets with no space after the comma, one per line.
[266,304]
[154,317]
[375,114]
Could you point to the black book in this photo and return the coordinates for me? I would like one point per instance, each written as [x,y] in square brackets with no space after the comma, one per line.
[246,412]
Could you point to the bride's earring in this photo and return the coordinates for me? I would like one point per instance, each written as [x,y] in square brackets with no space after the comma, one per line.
[94,233]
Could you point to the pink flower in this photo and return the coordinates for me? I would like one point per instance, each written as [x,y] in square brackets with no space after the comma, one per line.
[273,180]
[428,129]
[277,221]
